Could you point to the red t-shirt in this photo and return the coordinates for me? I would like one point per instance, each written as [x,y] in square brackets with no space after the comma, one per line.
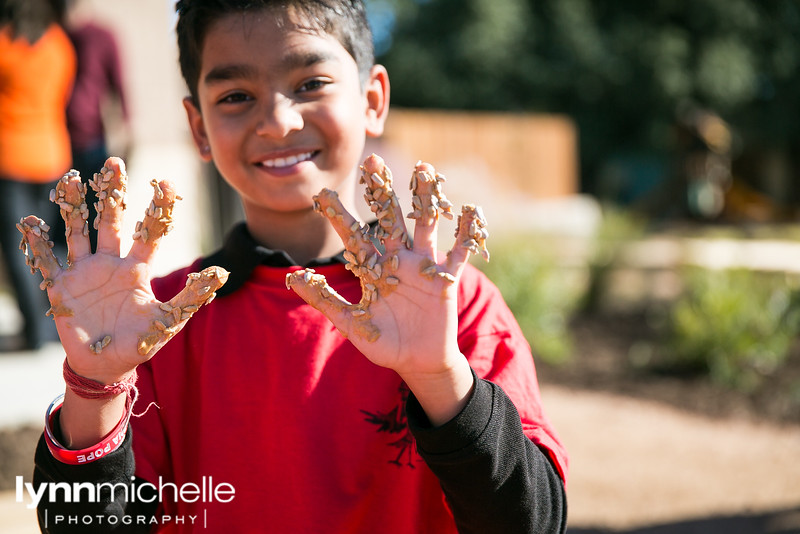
[261,392]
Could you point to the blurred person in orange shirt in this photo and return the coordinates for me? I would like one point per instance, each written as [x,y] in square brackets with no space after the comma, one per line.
[37,70]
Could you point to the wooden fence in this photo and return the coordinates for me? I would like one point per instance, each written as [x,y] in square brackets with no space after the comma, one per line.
[534,154]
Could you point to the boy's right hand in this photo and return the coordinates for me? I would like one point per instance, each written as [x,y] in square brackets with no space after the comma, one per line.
[107,317]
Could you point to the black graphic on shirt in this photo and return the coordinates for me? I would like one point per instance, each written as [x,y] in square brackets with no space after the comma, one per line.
[396,424]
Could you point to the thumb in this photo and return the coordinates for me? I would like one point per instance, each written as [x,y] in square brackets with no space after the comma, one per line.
[200,289]
[352,320]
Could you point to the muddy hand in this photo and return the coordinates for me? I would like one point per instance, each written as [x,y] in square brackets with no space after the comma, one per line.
[407,312]
[107,317]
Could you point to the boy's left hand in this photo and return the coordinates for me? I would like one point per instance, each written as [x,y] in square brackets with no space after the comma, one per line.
[407,319]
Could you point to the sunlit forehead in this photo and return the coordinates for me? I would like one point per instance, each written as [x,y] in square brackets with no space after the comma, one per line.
[251,46]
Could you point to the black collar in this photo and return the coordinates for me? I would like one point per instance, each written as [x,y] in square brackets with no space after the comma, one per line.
[241,254]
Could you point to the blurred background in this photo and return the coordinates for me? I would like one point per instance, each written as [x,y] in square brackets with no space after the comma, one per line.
[638,165]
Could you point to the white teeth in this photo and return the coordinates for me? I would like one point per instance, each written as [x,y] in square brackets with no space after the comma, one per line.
[286,162]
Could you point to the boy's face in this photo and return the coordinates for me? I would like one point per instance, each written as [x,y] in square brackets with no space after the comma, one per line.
[282,111]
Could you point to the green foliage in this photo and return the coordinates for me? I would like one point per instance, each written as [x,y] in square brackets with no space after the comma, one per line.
[541,294]
[618,228]
[620,68]
[737,325]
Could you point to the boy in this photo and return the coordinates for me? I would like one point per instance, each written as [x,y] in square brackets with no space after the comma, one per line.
[272,418]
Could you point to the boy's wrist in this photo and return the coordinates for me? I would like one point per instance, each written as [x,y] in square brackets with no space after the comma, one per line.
[442,395]
[85,422]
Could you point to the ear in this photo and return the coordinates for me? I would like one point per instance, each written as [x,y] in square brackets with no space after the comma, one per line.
[377,95]
[198,129]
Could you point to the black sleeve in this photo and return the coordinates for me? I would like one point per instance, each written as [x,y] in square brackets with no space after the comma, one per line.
[495,479]
[111,512]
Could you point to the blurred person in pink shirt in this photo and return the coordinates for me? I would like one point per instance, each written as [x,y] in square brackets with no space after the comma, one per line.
[99,92]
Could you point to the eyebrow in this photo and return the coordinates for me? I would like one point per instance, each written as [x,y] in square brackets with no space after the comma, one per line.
[299,60]
[229,72]
[288,63]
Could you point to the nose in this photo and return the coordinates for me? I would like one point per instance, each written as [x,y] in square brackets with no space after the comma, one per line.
[278,117]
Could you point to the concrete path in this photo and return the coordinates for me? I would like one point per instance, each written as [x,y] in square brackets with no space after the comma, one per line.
[15,518]
[29,381]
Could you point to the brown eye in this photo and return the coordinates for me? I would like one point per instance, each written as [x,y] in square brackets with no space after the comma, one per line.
[312,85]
[234,98]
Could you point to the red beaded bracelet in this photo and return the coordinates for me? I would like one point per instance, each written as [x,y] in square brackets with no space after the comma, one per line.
[77,457]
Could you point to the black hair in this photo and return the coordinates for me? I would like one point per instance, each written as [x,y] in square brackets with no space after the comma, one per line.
[29,19]
[345,20]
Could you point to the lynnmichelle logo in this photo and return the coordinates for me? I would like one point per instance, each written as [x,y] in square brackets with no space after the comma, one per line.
[207,491]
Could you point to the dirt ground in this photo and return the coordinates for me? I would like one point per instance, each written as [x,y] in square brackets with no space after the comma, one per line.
[649,453]
[641,466]
[657,453]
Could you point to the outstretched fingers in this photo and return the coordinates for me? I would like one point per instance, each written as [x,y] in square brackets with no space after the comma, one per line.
[376,272]
[157,221]
[38,249]
[352,232]
[110,184]
[200,289]
[70,196]
[382,201]
[380,274]
[471,235]
[427,200]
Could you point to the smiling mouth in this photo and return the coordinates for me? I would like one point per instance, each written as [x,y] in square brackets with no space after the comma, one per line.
[278,163]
